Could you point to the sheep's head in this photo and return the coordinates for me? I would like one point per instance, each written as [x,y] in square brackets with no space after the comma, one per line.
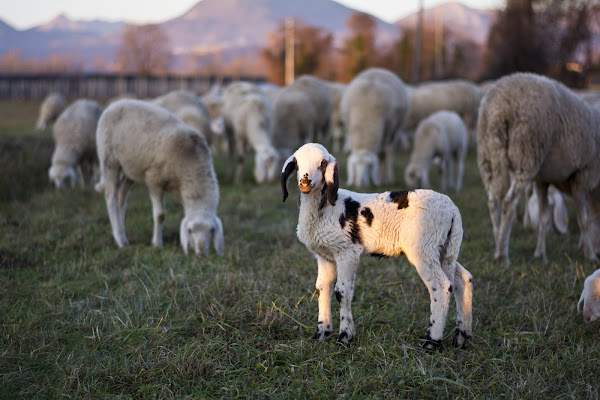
[63,176]
[266,165]
[198,230]
[315,168]
[589,302]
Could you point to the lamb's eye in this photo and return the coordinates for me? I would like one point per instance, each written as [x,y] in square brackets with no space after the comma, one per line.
[323,164]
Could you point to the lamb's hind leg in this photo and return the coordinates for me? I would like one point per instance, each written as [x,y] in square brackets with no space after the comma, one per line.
[463,294]
[344,292]
[507,217]
[544,220]
[324,287]
[124,187]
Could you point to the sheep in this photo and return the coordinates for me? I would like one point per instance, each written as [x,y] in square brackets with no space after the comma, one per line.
[442,135]
[75,143]
[458,95]
[302,112]
[338,226]
[50,109]
[589,302]
[248,116]
[533,129]
[189,108]
[556,205]
[374,106]
[141,142]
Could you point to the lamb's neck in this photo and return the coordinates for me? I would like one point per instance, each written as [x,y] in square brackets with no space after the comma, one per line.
[311,205]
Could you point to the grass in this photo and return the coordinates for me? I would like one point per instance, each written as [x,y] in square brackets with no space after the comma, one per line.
[81,318]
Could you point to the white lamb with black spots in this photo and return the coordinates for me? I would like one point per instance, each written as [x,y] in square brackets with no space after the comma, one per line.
[338,226]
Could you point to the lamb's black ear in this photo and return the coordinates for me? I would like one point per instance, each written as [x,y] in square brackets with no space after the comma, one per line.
[332,178]
[288,168]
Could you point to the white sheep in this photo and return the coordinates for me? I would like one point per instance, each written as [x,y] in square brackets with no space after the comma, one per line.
[248,117]
[302,112]
[374,106]
[589,302]
[50,109]
[74,135]
[189,108]
[141,142]
[534,129]
[338,226]
[556,206]
[441,135]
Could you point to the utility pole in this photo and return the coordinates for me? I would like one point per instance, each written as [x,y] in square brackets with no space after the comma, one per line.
[417,49]
[438,47]
[289,50]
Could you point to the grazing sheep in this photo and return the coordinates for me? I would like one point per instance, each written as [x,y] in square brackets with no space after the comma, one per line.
[50,109]
[534,129]
[141,142]
[302,111]
[460,96]
[189,108]
[248,117]
[589,302]
[75,143]
[337,226]
[374,106]
[556,206]
[442,135]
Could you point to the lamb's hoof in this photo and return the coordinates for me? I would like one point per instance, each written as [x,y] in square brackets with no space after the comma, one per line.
[320,335]
[430,345]
[344,339]
[460,339]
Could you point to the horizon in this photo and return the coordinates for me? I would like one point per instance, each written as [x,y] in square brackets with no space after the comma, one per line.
[19,14]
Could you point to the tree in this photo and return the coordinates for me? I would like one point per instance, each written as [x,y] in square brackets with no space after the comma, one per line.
[358,52]
[144,49]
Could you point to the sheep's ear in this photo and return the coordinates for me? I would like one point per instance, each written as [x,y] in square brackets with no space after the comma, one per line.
[184,235]
[288,168]
[332,178]
[581,302]
[218,239]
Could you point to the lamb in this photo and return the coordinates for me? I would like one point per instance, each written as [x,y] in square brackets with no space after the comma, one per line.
[374,107]
[75,143]
[248,117]
[189,108]
[302,112]
[141,142]
[442,134]
[338,225]
[534,129]
[50,109]
[589,302]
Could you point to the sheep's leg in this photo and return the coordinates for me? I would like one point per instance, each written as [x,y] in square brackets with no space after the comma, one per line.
[460,170]
[494,207]
[344,292]
[583,220]
[509,210]
[80,176]
[324,288]
[351,168]
[124,187]
[111,178]
[440,289]
[240,159]
[463,294]
[544,220]
[450,174]
[158,214]
[444,174]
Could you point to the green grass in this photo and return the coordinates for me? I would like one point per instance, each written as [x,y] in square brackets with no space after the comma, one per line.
[81,318]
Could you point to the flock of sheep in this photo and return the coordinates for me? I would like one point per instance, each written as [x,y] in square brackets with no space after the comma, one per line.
[532,135]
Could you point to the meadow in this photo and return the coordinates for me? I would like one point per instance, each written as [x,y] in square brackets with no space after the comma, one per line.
[80,318]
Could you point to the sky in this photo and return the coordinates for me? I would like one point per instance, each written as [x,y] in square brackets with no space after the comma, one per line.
[23,14]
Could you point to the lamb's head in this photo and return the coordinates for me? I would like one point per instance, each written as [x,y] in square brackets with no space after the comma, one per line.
[315,168]
[266,165]
[63,176]
[589,302]
[198,229]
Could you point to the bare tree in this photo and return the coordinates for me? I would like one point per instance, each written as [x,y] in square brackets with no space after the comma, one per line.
[144,49]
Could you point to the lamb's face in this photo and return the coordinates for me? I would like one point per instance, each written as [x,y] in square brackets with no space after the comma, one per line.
[589,302]
[315,167]
[198,230]
[266,166]
[63,177]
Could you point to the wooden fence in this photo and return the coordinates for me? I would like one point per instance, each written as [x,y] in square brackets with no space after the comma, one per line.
[105,86]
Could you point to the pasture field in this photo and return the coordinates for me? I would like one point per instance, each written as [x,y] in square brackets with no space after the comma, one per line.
[80,318]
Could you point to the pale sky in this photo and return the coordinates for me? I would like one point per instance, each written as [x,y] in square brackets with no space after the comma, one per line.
[23,14]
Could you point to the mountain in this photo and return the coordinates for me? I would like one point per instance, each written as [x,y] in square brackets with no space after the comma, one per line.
[62,23]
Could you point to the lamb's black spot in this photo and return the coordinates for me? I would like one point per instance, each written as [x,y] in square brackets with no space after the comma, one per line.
[352,207]
[319,322]
[434,289]
[400,198]
[343,318]
[339,295]
[366,212]
[470,280]
[343,220]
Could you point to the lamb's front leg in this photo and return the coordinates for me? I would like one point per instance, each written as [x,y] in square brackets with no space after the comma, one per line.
[344,292]
[324,287]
